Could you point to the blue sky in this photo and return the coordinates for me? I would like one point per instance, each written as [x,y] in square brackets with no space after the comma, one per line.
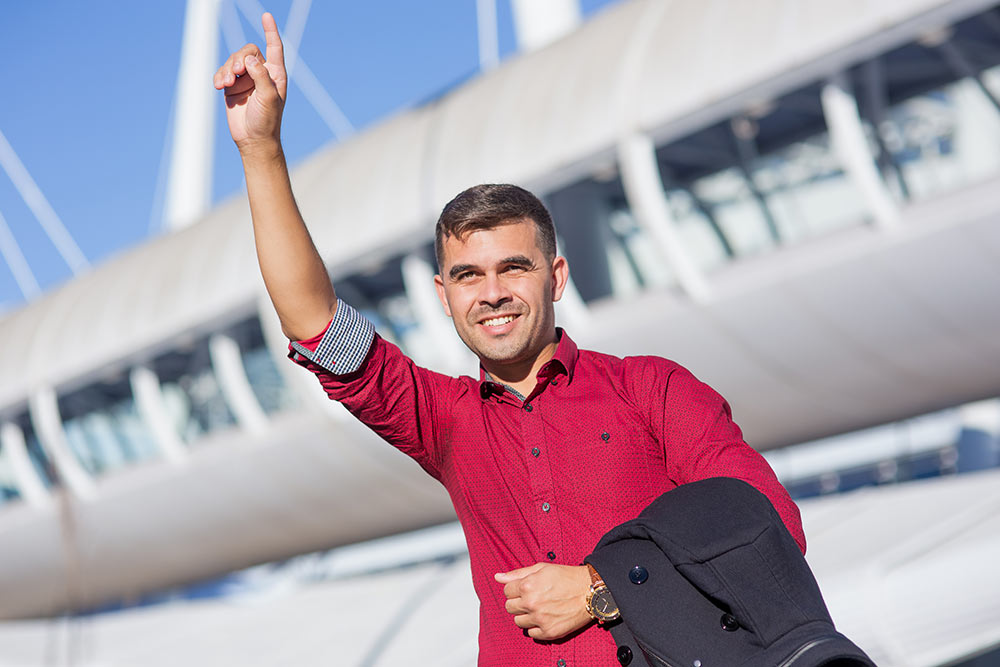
[89,88]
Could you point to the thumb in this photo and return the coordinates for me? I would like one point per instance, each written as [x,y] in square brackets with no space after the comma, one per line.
[520,573]
[261,77]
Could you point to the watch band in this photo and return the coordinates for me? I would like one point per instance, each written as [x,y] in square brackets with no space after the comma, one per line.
[597,586]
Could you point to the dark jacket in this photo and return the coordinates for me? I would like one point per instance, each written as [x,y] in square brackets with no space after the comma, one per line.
[708,576]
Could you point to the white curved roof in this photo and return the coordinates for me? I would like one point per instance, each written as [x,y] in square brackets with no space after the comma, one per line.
[908,573]
[541,118]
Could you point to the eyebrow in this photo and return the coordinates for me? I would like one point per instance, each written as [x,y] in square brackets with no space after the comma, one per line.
[459,269]
[516,260]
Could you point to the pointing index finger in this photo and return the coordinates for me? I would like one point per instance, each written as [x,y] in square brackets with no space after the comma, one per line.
[275,52]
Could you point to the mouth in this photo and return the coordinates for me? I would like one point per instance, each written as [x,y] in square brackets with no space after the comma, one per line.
[499,324]
[498,321]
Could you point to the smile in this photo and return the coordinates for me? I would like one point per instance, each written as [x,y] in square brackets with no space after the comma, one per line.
[498,321]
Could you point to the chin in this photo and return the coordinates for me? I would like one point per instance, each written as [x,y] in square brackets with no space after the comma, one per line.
[498,352]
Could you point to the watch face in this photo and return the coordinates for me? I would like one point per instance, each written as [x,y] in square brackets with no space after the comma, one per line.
[604,606]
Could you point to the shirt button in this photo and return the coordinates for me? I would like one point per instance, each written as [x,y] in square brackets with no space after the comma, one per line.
[605,436]
[527,406]
[560,663]
[535,451]
[546,507]
[551,555]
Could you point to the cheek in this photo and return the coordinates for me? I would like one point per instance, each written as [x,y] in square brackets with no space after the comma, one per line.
[458,303]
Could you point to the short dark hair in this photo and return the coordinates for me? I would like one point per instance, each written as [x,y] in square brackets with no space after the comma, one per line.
[490,205]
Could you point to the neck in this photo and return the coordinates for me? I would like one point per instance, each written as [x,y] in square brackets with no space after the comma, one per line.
[521,375]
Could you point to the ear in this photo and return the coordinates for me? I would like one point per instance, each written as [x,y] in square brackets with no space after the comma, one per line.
[560,277]
[439,286]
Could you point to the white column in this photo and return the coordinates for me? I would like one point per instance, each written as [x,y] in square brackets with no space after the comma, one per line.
[153,410]
[644,191]
[540,22]
[847,137]
[29,484]
[486,23]
[227,363]
[44,411]
[189,188]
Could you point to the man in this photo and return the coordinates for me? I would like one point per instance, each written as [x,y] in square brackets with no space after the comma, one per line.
[551,448]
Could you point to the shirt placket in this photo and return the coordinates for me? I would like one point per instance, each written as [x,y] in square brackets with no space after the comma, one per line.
[544,508]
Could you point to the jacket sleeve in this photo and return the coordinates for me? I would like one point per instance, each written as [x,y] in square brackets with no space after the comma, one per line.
[701,440]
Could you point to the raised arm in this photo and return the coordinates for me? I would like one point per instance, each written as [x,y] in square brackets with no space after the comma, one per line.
[296,280]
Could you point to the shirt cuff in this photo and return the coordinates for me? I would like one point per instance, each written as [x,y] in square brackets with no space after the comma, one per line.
[343,346]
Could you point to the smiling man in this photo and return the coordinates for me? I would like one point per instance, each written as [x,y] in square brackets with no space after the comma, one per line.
[551,447]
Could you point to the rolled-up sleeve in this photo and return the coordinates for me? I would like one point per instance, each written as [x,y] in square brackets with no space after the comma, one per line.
[341,347]
[378,384]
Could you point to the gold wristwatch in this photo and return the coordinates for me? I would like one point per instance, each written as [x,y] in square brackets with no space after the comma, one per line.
[600,604]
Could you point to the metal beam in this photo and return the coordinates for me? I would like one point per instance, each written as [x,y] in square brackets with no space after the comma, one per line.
[877,102]
[153,411]
[956,60]
[746,152]
[43,408]
[40,207]
[644,191]
[227,364]
[189,184]
[19,267]
[847,137]
[29,484]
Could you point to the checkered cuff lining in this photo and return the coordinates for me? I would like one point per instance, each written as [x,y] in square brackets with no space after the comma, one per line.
[344,345]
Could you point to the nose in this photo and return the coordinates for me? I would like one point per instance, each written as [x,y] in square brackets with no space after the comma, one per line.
[494,292]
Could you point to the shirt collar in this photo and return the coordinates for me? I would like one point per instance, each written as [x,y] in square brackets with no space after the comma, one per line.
[563,361]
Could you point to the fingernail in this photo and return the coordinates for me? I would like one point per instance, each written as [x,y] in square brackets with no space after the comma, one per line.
[251,60]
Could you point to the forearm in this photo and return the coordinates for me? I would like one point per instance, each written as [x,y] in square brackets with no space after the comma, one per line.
[293,272]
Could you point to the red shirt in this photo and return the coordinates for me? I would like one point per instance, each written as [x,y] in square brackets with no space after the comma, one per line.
[543,479]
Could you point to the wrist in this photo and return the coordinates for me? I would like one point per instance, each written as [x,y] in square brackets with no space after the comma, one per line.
[256,152]
[600,604]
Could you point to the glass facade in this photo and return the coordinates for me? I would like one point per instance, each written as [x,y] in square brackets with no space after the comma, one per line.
[103,427]
[768,177]
[191,391]
[262,372]
[608,252]
[43,466]
[932,445]
[8,485]
[379,293]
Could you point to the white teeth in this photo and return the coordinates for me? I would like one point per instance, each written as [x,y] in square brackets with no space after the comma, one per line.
[498,321]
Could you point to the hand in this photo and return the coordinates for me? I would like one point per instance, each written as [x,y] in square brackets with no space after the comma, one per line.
[549,601]
[255,91]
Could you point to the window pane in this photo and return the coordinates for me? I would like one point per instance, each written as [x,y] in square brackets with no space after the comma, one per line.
[191,392]
[8,485]
[265,379]
[103,426]
[43,466]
